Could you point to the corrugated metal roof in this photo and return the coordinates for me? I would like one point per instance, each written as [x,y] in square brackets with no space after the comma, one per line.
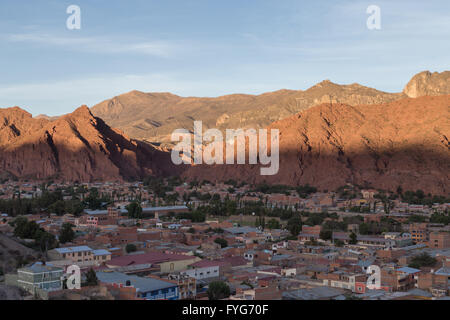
[140,283]
[73,249]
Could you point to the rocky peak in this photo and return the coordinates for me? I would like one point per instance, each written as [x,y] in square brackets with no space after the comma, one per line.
[428,84]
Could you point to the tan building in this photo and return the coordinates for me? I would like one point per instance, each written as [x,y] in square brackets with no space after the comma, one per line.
[439,240]
[80,254]
[418,232]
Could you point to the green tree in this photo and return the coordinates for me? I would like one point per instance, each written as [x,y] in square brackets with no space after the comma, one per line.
[134,210]
[91,278]
[294,226]
[364,228]
[218,290]
[326,234]
[130,248]
[273,224]
[66,233]
[191,230]
[93,200]
[422,260]
[223,243]
[58,207]
[353,238]
[338,243]
[416,218]
[305,191]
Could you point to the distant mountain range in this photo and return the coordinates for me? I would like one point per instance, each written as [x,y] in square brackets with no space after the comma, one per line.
[330,135]
[154,116]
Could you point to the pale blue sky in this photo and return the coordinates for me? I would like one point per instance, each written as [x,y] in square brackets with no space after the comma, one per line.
[210,47]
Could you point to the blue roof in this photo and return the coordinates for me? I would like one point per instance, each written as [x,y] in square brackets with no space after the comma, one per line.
[408,270]
[444,271]
[281,257]
[94,212]
[100,252]
[39,267]
[365,263]
[73,249]
[140,283]
[241,230]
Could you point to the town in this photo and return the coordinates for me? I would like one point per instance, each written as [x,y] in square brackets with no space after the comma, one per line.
[168,239]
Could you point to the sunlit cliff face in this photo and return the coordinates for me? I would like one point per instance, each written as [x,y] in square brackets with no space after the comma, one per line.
[403,143]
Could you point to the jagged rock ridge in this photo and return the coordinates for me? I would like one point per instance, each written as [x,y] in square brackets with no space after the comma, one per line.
[74,147]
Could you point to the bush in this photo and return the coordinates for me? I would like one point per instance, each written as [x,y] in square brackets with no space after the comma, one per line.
[218,290]
[294,226]
[353,238]
[91,278]
[305,191]
[66,234]
[422,260]
[326,234]
[130,248]
[223,243]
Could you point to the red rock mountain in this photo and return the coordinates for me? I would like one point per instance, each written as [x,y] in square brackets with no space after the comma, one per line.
[74,147]
[353,134]
[154,116]
[402,143]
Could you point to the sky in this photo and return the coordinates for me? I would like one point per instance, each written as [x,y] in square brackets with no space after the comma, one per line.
[210,47]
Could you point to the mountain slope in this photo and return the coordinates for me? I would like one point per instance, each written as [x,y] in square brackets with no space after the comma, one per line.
[74,147]
[154,116]
[402,143]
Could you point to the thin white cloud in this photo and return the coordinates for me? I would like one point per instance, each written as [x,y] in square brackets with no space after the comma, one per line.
[96,44]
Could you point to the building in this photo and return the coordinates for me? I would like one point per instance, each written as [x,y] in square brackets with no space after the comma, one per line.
[419,233]
[96,218]
[143,287]
[345,280]
[166,263]
[439,240]
[203,269]
[187,286]
[101,255]
[40,276]
[75,254]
